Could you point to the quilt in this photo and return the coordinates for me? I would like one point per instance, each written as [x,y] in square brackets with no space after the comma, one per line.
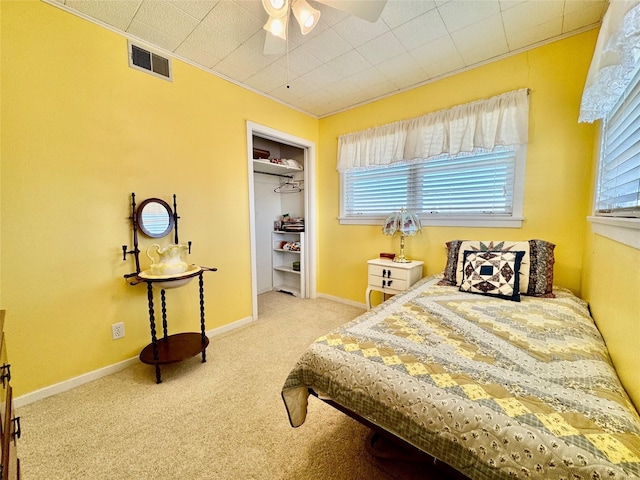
[494,388]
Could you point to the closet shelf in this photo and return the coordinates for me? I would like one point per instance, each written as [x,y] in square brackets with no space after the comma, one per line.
[265,166]
[284,268]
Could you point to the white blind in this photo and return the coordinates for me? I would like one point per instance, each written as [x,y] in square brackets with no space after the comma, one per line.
[468,184]
[618,191]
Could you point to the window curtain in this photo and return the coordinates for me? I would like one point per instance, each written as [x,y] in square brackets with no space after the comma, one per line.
[477,126]
[614,60]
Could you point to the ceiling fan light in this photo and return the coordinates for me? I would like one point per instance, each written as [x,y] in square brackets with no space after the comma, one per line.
[306,15]
[277,26]
[276,8]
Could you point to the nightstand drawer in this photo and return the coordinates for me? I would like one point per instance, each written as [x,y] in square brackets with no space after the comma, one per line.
[394,283]
[387,272]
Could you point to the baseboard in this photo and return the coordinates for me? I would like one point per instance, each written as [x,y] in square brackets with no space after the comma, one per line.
[342,300]
[72,383]
[229,327]
[108,370]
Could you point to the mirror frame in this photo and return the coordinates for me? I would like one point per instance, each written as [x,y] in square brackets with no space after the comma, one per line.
[141,225]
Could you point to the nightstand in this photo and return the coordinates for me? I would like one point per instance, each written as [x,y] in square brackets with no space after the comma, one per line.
[390,277]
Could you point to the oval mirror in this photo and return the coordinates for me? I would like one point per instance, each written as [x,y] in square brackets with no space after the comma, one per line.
[155,218]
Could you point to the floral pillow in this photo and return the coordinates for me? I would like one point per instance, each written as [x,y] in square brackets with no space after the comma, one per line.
[536,272]
[495,273]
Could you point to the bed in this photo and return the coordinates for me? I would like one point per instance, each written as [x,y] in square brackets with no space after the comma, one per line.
[504,376]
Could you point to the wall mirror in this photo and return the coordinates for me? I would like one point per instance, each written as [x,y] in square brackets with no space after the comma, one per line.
[155,218]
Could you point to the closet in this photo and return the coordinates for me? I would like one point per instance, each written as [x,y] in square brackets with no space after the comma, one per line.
[279,216]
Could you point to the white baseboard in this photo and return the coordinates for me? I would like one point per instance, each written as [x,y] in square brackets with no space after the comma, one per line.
[72,383]
[342,300]
[229,327]
[108,370]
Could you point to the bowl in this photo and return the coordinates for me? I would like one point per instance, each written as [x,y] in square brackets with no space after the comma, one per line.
[171,281]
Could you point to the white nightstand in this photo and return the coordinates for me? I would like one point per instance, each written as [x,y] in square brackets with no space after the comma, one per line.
[387,276]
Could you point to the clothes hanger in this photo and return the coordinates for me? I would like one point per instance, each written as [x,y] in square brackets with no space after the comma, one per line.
[288,187]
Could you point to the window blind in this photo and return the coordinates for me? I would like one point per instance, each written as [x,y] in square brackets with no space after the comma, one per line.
[468,184]
[618,192]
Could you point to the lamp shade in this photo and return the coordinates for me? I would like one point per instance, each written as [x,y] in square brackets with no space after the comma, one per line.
[278,26]
[402,222]
[306,15]
[276,8]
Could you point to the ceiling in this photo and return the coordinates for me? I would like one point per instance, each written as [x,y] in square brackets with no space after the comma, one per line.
[345,61]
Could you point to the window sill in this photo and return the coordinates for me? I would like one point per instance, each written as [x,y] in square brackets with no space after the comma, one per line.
[444,221]
[623,230]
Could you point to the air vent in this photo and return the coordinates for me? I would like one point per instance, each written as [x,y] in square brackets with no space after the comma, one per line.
[150,62]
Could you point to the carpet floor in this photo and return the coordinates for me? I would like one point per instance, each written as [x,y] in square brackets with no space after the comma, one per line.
[223,419]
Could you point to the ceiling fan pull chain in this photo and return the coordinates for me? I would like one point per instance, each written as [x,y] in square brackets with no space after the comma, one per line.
[287,53]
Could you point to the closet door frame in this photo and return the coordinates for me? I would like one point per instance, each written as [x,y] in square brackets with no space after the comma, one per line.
[309,148]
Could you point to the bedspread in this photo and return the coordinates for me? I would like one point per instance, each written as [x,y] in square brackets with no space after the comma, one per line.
[496,389]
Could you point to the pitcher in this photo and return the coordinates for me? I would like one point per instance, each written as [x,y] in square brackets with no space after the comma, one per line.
[170,259]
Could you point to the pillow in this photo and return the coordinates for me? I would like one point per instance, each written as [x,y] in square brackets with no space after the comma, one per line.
[541,269]
[536,272]
[494,273]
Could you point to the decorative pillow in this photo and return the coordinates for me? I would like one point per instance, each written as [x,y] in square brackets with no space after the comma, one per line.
[449,273]
[495,273]
[536,272]
[541,269]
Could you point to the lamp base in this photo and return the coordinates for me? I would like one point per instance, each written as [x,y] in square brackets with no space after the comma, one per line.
[402,259]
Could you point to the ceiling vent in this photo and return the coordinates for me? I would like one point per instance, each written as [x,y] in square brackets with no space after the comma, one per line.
[147,61]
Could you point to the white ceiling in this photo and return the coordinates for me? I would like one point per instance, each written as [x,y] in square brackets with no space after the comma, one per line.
[344,61]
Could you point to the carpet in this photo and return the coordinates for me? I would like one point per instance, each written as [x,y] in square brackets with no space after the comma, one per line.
[223,419]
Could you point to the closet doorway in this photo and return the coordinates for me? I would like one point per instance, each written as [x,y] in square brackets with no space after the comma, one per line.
[281,170]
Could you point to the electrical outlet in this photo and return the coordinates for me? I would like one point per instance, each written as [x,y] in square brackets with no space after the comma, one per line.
[117,330]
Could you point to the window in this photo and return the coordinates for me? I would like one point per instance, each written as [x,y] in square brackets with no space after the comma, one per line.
[618,189]
[617,198]
[462,166]
[483,189]
[612,94]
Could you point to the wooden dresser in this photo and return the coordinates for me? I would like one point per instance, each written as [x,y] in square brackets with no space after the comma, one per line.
[9,423]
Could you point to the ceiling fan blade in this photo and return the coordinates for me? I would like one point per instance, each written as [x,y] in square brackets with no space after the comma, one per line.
[274,45]
[367,9]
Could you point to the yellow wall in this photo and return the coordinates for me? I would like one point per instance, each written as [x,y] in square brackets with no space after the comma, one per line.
[80,132]
[557,179]
[611,286]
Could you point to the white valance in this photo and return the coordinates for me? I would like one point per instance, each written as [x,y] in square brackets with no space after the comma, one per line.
[614,60]
[477,126]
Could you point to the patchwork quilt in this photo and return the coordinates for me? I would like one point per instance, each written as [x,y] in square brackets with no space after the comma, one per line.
[497,389]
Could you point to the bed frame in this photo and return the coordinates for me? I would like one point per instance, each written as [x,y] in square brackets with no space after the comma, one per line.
[404,451]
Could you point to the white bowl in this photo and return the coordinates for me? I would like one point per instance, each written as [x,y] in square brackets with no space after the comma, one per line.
[172,281]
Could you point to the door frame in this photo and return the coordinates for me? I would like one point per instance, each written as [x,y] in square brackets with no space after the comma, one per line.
[309,148]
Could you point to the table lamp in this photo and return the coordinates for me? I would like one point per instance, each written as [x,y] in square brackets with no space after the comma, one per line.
[404,223]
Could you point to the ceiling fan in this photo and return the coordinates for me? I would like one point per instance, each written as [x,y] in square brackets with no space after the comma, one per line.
[307,17]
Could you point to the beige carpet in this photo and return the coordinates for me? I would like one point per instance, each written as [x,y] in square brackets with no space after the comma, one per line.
[223,419]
